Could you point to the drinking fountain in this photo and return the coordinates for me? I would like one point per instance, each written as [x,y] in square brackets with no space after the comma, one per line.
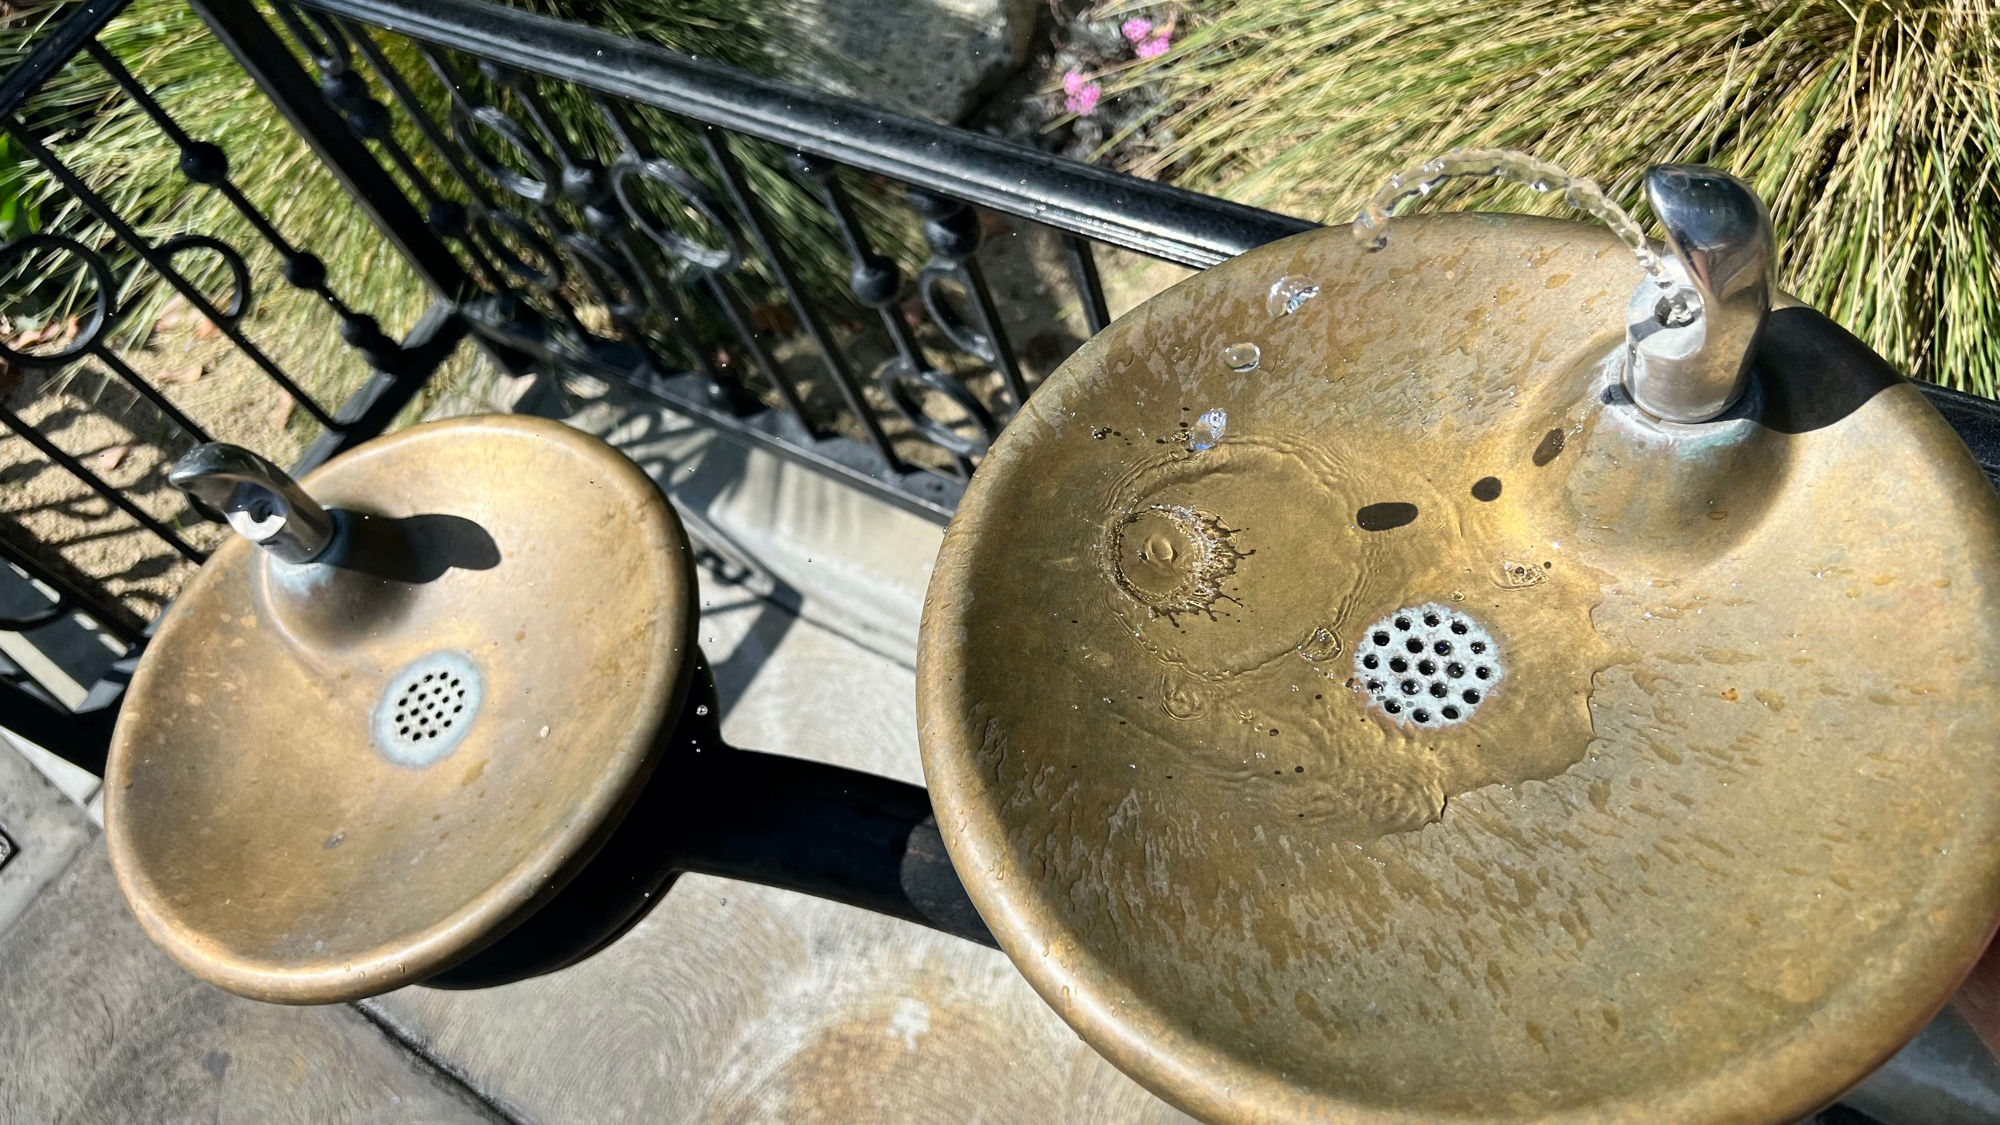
[407,704]
[1469,673]
[1444,674]
[437,715]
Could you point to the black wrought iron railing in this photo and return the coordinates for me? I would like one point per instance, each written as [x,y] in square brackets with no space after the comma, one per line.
[514,163]
[560,249]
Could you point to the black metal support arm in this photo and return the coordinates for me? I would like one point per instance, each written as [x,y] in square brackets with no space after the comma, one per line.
[803,826]
[710,809]
[830,832]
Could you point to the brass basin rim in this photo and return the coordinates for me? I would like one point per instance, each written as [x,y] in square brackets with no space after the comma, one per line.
[1144,1039]
[662,685]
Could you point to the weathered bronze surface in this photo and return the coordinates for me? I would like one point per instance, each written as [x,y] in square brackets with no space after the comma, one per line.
[264,831]
[1720,829]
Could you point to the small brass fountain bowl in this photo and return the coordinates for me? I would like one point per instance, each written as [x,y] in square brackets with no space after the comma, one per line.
[1344,705]
[332,779]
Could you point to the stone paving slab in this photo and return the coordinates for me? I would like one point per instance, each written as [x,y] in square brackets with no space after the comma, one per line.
[925,58]
[97,1025]
[817,546]
[736,1003]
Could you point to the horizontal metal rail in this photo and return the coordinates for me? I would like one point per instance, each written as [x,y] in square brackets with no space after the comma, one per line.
[1107,206]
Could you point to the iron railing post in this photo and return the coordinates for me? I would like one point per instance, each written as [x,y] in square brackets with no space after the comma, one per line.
[257,48]
[238,26]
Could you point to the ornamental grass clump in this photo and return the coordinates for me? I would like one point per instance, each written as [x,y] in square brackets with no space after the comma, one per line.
[1872,127]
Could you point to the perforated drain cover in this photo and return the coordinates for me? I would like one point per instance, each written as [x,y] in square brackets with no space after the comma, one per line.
[1427,665]
[427,708]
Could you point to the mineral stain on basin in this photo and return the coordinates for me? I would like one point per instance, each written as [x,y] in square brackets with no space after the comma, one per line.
[1248,571]
[1549,448]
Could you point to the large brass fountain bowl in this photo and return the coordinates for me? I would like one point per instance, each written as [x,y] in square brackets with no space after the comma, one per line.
[331,779]
[1346,706]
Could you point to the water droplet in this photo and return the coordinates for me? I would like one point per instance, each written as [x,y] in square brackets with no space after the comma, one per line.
[1208,429]
[1242,357]
[1678,308]
[1520,575]
[1288,293]
[1321,644]
[1368,233]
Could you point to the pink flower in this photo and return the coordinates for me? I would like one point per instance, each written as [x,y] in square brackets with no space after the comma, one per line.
[1154,47]
[1136,29]
[1082,96]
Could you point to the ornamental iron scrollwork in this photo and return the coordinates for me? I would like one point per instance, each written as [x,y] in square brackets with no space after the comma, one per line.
[587,226]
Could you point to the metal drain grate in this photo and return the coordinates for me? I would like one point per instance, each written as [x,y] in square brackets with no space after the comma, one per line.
[1428,665]
[424,712]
